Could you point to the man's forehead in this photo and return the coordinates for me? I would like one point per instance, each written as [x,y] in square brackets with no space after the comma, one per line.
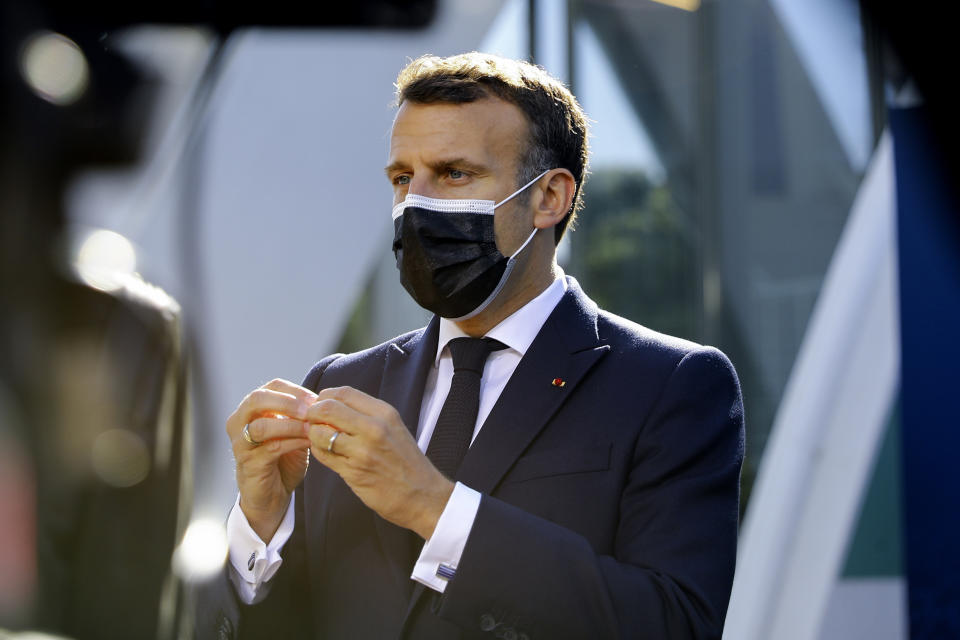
[487,125]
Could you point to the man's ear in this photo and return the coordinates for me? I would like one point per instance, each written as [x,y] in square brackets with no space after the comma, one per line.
[557,198]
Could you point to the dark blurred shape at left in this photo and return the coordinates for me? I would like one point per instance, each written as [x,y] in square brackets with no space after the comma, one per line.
[94,440]
[92,378]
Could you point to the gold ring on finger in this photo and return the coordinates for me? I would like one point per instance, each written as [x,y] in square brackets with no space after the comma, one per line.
[248,437]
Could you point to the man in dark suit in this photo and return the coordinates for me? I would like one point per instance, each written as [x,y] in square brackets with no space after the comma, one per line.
[581,482]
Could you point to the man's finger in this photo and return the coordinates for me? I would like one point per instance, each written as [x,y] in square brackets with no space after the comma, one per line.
[359,401]
[270,428]
[285,386]
[276,449]
[267,454]
[333,412]
[336,463]
[261,402]
[321,436]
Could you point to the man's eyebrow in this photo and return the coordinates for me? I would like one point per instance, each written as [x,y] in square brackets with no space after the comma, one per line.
[393,166]
[458,163]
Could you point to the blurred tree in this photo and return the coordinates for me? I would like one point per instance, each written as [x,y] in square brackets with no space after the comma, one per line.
[634,250]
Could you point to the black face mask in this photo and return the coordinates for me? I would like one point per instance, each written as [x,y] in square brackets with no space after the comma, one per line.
[447,254]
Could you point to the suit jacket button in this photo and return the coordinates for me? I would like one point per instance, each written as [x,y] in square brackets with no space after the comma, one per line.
[487,623]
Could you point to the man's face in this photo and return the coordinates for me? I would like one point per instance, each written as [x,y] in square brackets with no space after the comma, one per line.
[462,151]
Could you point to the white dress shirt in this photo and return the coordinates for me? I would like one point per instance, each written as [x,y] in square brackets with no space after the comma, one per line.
[254,562]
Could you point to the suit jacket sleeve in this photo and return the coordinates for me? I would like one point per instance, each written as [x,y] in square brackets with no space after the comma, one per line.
[671,568]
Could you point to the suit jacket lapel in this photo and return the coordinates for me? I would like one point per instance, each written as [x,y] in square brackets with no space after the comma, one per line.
[404,377]
[405,373]
[566,348]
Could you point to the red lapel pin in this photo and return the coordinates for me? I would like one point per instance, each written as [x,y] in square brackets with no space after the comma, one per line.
[558,382]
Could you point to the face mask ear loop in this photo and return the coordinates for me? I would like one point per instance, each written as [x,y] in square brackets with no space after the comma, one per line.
[512,195]
[520,190]
[525,243]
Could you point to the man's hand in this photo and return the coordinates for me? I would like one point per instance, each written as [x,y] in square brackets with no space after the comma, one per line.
[377,458]
[268,473]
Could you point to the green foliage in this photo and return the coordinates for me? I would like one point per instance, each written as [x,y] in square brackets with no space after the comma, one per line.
[635,252]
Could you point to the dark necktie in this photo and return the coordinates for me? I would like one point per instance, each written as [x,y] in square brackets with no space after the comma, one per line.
[454,430]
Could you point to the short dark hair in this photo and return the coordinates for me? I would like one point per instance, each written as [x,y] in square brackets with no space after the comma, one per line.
[557,124]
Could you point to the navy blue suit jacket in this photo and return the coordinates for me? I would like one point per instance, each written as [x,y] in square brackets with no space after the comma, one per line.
[609,505]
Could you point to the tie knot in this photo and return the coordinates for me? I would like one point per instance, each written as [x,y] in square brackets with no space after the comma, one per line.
[471,353]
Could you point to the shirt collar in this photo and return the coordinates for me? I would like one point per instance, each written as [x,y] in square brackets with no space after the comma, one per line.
[517,330]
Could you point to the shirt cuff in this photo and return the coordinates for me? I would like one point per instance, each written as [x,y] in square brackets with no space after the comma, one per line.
[254,562]
[440,556]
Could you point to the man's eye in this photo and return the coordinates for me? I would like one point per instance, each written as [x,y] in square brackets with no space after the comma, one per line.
[401,180]
[456,174]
